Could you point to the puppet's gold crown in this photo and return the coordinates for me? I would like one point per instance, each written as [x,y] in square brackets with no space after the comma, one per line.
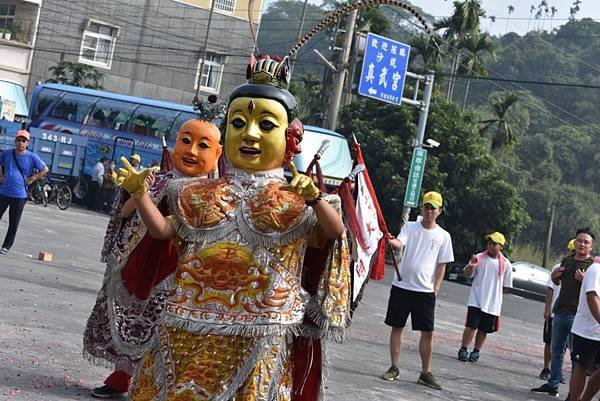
[269,71]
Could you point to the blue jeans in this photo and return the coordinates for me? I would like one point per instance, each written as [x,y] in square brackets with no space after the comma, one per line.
[561,329]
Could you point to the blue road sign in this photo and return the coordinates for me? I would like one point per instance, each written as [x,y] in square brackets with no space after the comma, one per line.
[384,69]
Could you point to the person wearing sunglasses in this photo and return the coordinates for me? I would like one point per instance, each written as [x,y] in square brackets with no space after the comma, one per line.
[16,175]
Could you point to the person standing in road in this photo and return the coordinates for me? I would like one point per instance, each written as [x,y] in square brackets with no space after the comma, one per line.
[551,295]
[570,275]
[135,160]
[427,249]
[16,175]
[492,276]
[109,186]
[95,194]
[586,337]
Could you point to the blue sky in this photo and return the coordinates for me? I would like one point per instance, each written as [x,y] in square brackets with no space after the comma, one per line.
[519,21]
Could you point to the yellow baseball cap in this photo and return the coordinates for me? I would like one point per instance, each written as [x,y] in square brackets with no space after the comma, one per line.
[571,245]
[496,237]
[433,198]
[136,157]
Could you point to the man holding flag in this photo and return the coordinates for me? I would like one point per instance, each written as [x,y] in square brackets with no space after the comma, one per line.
[427,249]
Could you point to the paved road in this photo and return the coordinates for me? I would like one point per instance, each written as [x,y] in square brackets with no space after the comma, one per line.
[44,306]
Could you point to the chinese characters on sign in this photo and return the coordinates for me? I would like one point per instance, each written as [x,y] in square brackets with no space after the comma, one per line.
[413,185]
[384,69]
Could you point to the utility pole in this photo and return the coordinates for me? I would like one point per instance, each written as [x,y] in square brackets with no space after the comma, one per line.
[424,111]
[549,236]
[338,83]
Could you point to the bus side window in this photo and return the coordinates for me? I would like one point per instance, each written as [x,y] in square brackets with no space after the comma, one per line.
[72,107]
[111,114]
[152,121]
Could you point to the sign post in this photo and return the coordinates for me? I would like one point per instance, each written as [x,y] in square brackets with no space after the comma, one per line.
[415,177]
[384,69]
[383,76]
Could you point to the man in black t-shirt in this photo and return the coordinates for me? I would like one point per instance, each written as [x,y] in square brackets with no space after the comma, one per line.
[569,275]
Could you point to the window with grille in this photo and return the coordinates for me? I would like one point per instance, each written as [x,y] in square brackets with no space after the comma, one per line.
[97,44]
[226,6]
[7,15]
[210,78]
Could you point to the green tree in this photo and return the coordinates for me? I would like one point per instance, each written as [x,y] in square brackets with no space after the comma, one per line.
[308,93]
[479,198]
[76,74]
[504,135]
[473,62]
[426,51]
[373,20]
[464,21]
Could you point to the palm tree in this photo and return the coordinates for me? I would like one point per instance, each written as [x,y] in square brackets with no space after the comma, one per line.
[511,10]
[427,47]
[546,11]
[492,22]
[531,10]
[473,63]
[574,10]
[504,137]
[554,11]
[463,22]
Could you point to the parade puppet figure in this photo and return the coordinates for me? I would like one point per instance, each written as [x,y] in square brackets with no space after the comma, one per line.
[129,304]
[235,304]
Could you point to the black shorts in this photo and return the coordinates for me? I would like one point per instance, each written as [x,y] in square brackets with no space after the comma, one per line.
[548,331]
[585,351]
[419,305]
[479,320]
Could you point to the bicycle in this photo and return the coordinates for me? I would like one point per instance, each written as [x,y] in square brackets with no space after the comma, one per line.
[45,190]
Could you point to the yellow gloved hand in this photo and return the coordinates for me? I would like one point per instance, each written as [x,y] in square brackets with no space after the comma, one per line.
[302,185]
[132,181]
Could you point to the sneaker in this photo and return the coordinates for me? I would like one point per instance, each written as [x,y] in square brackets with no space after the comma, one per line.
[544,374]
[3,251]
[391,374]
[462,354]
[427,379]
[106,392]
[545,389]
[474,356]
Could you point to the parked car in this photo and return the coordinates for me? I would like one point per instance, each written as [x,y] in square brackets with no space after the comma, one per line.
[454,272]
[530,277]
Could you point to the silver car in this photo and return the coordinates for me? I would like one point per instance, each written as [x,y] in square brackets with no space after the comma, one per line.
[530,277]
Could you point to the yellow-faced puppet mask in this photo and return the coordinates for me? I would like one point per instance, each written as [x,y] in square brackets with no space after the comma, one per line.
[262,131]
[197,148]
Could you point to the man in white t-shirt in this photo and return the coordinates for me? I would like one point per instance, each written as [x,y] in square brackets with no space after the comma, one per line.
[552,292]
[427,249]
[492,276]
[586,336]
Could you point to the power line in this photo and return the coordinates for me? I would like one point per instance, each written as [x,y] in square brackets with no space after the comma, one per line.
[521,81]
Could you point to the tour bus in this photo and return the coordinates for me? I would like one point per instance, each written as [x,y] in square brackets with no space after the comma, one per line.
[114,125]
